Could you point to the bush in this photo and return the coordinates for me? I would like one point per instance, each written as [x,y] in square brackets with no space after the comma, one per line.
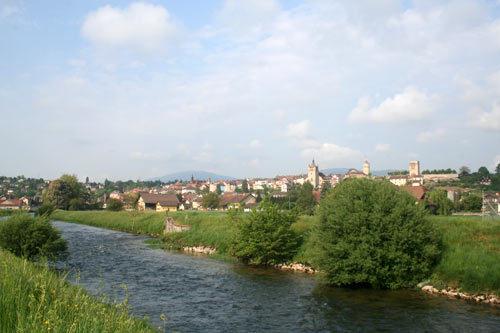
[266,236]
[31,238]
[114,205]
[45,209]
[372,234]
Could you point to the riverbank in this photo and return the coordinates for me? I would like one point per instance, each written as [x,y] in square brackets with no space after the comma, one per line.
[34,298]
[469,261]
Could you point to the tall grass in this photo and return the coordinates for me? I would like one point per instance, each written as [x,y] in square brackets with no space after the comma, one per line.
[471,254]
[34,299]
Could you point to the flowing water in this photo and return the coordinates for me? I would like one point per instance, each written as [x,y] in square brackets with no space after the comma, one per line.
[199,294]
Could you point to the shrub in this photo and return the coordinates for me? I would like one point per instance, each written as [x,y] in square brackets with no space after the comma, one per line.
[114,205]
[31,237]
[372,234]
[45,209]
[265,236]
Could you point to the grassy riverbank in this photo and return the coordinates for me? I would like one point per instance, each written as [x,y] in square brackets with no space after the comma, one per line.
[471,246]
[34,298]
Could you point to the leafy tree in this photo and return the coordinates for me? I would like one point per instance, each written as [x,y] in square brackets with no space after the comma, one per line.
[132,199]
[464,171]
[370,233]
[266,236]
[76,204]
[325,188]
[219,189]
[444,205]
[305,201]
[76,188]
[59,194]
[87,180]
[483,171]
[244,186]
[497,169]
[210,200]
[31,237]
[473,203]
[114,205]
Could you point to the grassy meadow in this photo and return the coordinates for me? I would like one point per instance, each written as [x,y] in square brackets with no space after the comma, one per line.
[470,257]
[33,298]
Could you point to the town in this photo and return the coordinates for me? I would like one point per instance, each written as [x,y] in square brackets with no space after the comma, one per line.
[442,191]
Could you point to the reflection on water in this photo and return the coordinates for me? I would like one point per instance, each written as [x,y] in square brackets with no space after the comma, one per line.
[200,294]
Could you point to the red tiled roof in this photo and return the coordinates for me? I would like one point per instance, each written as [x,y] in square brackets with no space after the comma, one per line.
[163,199]
[417,191]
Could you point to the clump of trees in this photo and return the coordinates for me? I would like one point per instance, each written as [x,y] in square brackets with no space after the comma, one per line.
[439,172]
[265,236]
[305,201]
[440,199]
[31,238]
[66,193]
[210,200]
[114,205]
[371,234]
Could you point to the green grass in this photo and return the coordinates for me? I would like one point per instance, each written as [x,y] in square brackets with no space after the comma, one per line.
[33,298]
[147,223]
[471,254]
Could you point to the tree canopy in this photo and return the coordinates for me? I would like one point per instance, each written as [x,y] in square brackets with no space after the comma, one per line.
[305,201]
[371,233]
[210,200]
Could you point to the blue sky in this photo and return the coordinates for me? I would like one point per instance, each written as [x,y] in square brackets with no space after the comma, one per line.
[128,90]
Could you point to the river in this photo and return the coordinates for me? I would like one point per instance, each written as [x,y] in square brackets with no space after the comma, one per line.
[199,294]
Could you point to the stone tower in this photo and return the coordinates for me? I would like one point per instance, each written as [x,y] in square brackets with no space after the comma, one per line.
[366,168]
[313,174]
[414,168]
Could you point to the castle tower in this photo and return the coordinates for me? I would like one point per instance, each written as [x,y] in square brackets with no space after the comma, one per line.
[414,168]
[366,168]
[313,174]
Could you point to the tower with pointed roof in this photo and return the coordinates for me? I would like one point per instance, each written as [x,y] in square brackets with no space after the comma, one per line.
[313,174]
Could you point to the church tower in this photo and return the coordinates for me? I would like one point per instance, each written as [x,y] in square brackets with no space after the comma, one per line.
[313,174]
[366,168]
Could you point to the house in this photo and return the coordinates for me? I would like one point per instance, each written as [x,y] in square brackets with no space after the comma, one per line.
[11,204]
[158,202]
[399,180]
[232,200]
[353,173]
[418,192]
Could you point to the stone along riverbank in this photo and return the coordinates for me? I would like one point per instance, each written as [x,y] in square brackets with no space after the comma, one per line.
[200,294]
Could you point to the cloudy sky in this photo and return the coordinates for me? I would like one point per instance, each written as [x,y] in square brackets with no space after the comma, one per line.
[129,90]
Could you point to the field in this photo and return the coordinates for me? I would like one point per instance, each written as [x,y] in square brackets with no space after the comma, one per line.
[33,298]
[470,257]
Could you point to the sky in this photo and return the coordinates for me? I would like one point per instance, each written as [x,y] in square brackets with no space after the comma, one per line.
[135,90]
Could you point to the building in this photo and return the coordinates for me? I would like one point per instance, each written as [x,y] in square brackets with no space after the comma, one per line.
[158,202]
[414,168]
[366,168]
[313,174]
[233,200]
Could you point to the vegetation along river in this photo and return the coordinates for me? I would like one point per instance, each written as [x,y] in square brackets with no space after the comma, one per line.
[199,294]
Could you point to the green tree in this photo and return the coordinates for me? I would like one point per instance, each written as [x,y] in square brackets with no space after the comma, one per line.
[325,188]
[483,171]
[59,194]
[497,169]
[305,201]
[31,237]
[371,233]
[266,236]
[464,171]
[45,209]
[443,204]
[210,200]
[244,186]
[473,203]
[114,205]
[219,189]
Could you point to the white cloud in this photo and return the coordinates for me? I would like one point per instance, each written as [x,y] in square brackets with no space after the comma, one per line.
[484,102]
[330,152]
[410,105]
[300,130]
[245,20]
[9,11]
[255,144]
[489,120]
[382,147]
[140,27]
[431,136]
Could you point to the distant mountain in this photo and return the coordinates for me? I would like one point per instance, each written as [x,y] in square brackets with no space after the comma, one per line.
[198,175]
[344,170]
